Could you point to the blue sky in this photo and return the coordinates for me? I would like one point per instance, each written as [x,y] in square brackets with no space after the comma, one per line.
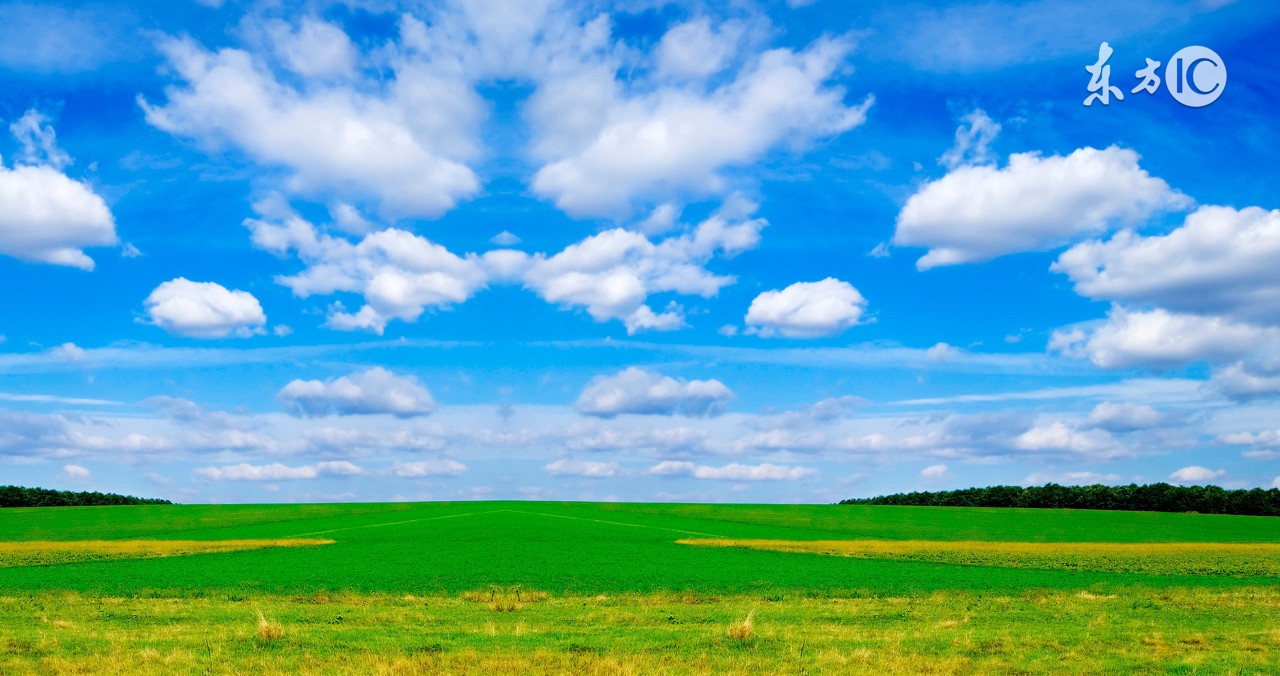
[743,251]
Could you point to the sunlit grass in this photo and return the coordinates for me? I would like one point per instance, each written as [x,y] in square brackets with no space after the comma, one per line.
[1149,558]
[1119,630]
[39,553]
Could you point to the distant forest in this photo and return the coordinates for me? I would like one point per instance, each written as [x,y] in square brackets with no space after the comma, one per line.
[1147,498]
[18,496]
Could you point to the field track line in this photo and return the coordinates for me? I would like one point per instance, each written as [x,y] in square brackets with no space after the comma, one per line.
[615,523]
[397,523]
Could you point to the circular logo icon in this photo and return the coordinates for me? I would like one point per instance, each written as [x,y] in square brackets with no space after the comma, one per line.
[1195,76]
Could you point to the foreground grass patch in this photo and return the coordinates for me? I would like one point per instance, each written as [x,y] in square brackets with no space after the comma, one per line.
[39,553]
[1115,630]
[1149,558]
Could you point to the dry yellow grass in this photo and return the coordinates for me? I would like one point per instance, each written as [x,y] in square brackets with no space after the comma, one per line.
[1147,630]
[1160,558]
[743,630]
[505,600]
[42,552]
[268,630]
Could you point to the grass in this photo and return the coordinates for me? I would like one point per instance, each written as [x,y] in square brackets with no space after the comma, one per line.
[522,587]
[44,552]
[1136,630]
[1148,558]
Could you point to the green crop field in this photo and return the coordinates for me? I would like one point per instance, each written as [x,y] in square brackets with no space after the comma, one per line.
[520,587]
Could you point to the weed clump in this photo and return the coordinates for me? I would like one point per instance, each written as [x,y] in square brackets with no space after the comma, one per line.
[269,630]
[741,631]
[505,600]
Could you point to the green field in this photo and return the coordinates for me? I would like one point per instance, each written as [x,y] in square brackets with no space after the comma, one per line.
[514,587]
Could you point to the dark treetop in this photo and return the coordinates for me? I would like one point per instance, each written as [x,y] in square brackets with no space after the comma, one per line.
[18,496]
[1148,498]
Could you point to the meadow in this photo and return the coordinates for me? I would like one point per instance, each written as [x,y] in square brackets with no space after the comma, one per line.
[537,587]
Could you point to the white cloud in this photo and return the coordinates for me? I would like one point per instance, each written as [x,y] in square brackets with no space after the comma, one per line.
[425,468]
[1034,203]
[732,472]
[1221,262]
[933,472]
[1161,339]
[45,216]
[942,352]
[1058,438]
[634,390]
[68,352]
[583,468]
[1124,417]
[613,273]
[399,274]
[806,310]
[278,472]
[400,141]
[204,310]
[505,238]
[604,146]
[696,48]
[1196,474]
[1247,381]
[39,142]
[373,391]
[75,472]
[973,142]
[314,49]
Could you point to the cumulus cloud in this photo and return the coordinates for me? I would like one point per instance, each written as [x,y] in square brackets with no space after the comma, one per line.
[1124,417]
[314,48]
[399,274]
[68,352]
[278,472]
[1034,203]
[1059,438]
[1220,262]
[973,141]
[933,472]
[373,391]
[425,468]
[635,390]
[204,310]
[1247,381]
[1161,339]
[732,472]
[46,216]
[696,48]
[605,146]
[613,273]
[582,468]
[1196,475]
[1214,290]
[402,141]
[806,310]
[75,472]
[1265,444]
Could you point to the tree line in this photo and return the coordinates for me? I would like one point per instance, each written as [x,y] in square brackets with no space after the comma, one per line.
[1159,497]
[19,496]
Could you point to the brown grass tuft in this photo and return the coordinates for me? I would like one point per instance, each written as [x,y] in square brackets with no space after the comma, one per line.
[741,631]
[505,600]
[269,630]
